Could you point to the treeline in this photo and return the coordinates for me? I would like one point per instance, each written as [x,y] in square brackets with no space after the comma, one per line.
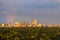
[25,33]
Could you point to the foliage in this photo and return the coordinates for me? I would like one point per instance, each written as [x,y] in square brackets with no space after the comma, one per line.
[29,33]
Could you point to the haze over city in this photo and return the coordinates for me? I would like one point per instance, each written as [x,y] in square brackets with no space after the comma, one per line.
[46,11]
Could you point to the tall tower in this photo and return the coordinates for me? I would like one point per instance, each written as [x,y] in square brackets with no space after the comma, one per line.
[35,22]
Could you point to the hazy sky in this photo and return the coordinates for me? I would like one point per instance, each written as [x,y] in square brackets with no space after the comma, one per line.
[46,11]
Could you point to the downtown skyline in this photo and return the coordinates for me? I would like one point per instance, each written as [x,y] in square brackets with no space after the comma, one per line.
[46,11]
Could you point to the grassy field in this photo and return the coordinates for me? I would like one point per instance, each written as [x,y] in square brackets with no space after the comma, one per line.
[26,33]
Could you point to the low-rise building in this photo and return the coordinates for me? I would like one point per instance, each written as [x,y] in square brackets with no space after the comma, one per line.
[3,24]
[50,25]
[39,25]
[29,24]
[9,25]
[16,24]
[44,25]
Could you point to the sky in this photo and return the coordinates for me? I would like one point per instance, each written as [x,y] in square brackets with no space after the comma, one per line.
[46,11]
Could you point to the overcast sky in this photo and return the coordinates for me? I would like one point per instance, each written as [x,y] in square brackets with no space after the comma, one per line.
[46,11]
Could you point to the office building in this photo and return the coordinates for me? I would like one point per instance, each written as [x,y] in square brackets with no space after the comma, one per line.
[35,23]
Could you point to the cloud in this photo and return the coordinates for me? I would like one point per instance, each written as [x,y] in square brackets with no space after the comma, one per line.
[13,8]
[7,0]
[42,2]
[49,9]
[57,0]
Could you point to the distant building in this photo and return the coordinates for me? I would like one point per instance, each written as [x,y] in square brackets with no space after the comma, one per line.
[59,25]
[29,24]
[35,23]
[20,24]
[56,25]
[44,25]
[50,25]
[39,25]
[9,25]
[16,24]
[23,25]
[3,24]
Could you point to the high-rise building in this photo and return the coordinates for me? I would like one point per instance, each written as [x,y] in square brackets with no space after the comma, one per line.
[35,22]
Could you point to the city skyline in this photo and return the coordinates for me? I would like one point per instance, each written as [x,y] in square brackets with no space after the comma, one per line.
[34,23]
[46,11]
